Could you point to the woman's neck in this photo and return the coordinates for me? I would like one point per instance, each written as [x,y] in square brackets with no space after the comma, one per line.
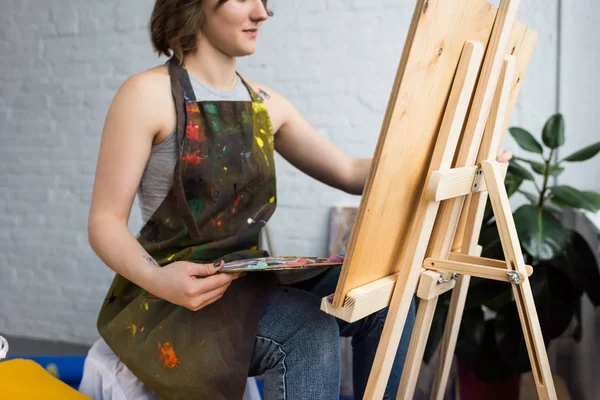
[212,66]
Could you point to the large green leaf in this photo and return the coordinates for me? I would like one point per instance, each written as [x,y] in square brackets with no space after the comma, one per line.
[540,233]
[553,134]
[509,339]
[538,167]
[526,140]
[518,170]
[571,197]
[490,365]
[556,302]
[578,262]
[584,154]
[593,198]
[556,170]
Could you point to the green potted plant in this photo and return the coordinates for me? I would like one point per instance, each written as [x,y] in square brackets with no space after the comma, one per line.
[490,344]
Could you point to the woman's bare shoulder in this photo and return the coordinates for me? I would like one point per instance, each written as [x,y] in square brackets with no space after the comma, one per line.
[152,83]
[147,95]
[278,106]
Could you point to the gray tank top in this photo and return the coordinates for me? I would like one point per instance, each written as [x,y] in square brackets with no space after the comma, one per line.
[158,174]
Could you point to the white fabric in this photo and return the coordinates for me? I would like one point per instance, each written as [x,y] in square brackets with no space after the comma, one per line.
[3,348]
[105,377]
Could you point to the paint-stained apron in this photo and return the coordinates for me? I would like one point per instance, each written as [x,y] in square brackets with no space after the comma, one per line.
[222,194]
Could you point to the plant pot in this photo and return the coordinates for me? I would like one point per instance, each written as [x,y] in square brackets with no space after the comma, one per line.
[472,388]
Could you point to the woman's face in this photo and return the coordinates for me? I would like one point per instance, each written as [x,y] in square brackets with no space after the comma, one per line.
[233,27]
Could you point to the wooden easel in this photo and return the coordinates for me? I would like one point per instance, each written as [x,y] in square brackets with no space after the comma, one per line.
[423,237]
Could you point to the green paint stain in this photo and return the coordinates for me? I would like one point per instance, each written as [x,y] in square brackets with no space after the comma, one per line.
[216,125]
[196,206]
[210,108]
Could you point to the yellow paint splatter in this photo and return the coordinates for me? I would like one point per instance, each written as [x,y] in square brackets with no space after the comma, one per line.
[224,148]
[258,107]
[171,257]
[262,145]
[225,168]
[133,328]
[272,199]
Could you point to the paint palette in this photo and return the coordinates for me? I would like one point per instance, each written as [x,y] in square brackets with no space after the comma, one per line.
[277,264]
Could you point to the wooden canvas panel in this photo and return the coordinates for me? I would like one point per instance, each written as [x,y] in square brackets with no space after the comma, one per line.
[433,46]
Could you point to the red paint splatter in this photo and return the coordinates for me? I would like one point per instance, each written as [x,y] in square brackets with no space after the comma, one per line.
[236,203]
[142,329]
[216,221]
[192,132]
[193,158]
[167,355]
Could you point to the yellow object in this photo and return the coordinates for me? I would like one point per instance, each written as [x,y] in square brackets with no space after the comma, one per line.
[26,380]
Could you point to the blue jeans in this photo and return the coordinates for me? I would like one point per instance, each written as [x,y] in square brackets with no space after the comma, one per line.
[297,345]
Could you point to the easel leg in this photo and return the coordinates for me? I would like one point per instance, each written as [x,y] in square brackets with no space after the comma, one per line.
[459,296]
[418,341]
[455,312]
[522,291]
[392,332]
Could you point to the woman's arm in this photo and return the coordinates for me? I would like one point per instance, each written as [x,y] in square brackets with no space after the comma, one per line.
[134,118]
[309,151]
[312,153]
[142,109]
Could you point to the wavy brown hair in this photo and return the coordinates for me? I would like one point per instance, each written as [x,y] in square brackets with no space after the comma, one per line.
[174,25]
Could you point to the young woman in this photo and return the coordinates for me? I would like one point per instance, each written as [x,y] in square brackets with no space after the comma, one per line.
[195,141]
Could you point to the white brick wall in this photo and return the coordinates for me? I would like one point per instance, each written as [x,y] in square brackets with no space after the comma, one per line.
[62,61]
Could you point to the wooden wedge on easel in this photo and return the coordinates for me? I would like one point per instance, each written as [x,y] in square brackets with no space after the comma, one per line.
[444,123]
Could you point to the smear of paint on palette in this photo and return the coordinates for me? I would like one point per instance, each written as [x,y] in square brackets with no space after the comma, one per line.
[168,358]
[258,265]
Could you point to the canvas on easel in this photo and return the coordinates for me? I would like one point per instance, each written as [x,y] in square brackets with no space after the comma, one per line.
[418,222]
